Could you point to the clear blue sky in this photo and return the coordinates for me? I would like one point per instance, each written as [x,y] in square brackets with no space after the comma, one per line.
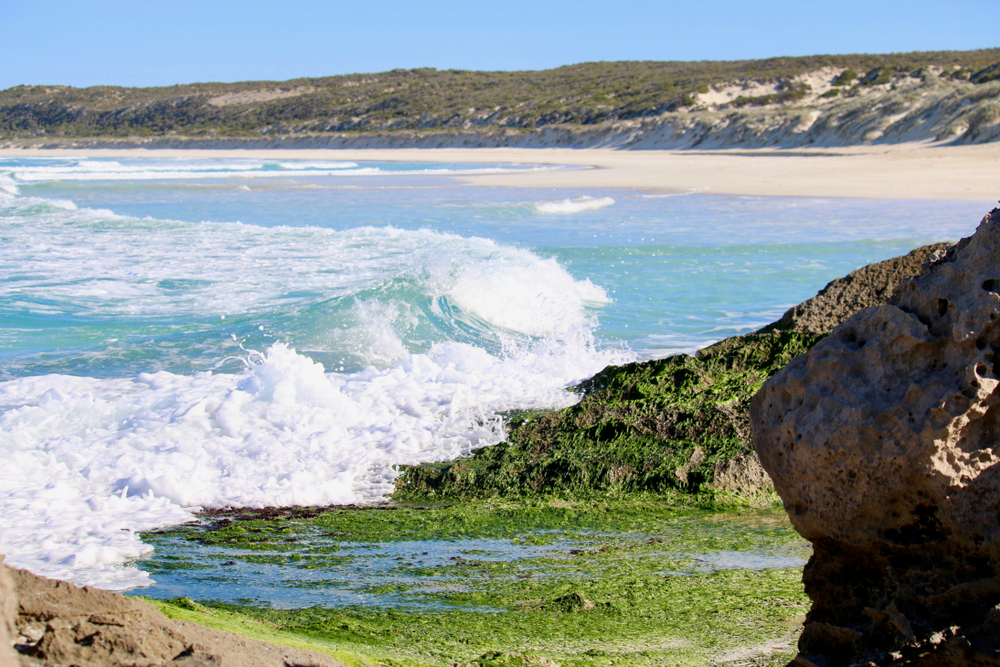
[137,43]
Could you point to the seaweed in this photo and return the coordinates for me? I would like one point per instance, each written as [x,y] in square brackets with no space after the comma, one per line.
[637,582]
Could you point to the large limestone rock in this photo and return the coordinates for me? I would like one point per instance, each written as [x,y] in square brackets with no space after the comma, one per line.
[58,624]
[884,442]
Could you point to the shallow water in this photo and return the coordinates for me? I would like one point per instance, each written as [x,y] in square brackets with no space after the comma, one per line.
[296,564]
[178,332]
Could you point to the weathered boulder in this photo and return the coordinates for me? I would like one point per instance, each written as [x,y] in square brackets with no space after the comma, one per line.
[883,442]
[58,623]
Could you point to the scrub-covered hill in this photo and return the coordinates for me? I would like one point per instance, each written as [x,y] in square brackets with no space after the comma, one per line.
[828,100]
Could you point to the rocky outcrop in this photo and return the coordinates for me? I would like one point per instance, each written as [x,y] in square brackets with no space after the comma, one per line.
[58,624]
[869,286]
[643,427]
[676,423]
[884,443]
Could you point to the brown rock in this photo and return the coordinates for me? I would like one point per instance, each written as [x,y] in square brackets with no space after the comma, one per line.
[8,618]
[883,443]
[871,285]
[740,474]
[59,624]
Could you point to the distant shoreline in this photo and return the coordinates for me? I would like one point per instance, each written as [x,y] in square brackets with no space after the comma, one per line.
[894,171]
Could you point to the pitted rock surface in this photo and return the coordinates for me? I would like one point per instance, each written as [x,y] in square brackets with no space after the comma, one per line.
[871,285]
[883,442]
[58,624]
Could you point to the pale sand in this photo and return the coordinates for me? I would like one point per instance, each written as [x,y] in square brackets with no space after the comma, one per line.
[903,171]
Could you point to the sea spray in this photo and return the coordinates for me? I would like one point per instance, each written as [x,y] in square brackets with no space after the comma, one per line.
[132,453]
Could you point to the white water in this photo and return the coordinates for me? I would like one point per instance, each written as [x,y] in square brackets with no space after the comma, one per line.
[574,204]
[87,458]
[89,461]
[68,169]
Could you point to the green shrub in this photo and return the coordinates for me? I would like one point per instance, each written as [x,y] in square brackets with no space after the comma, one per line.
[985,75]
[876,76]
[846,78]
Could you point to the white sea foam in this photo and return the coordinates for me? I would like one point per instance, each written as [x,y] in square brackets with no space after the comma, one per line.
[235,268]
[521,293]
[8,186]
[317,164]
[89,461]
[574,204]
[95,170]
[374,331]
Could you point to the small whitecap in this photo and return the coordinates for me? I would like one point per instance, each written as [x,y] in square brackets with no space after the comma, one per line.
[574,204]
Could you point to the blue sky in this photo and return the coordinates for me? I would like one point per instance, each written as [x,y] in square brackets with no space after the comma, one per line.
[137,43]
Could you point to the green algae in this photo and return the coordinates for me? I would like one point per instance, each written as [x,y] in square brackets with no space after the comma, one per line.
[633,581]
[593,536]
[606,533]
[730,616]
[186,609]
[660,426]
[327,531]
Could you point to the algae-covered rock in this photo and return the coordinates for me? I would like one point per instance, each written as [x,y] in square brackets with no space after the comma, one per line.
[679,423]
[652,426]
[884,444]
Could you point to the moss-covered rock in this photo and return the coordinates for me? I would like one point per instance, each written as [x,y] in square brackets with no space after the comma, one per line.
[675,424]
[653,426]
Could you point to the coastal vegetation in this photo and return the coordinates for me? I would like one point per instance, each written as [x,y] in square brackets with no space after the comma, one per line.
[429,100]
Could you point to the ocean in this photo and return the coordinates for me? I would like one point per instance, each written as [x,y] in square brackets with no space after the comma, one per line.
[182,333]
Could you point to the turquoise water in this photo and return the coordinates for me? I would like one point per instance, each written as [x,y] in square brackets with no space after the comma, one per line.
[180,332]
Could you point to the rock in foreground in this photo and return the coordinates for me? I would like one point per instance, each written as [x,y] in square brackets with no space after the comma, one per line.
[57,623]
[883,443]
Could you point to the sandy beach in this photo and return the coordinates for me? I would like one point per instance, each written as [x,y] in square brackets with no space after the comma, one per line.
[901,171]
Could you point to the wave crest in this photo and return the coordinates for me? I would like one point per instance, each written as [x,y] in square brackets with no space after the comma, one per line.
[574,204]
